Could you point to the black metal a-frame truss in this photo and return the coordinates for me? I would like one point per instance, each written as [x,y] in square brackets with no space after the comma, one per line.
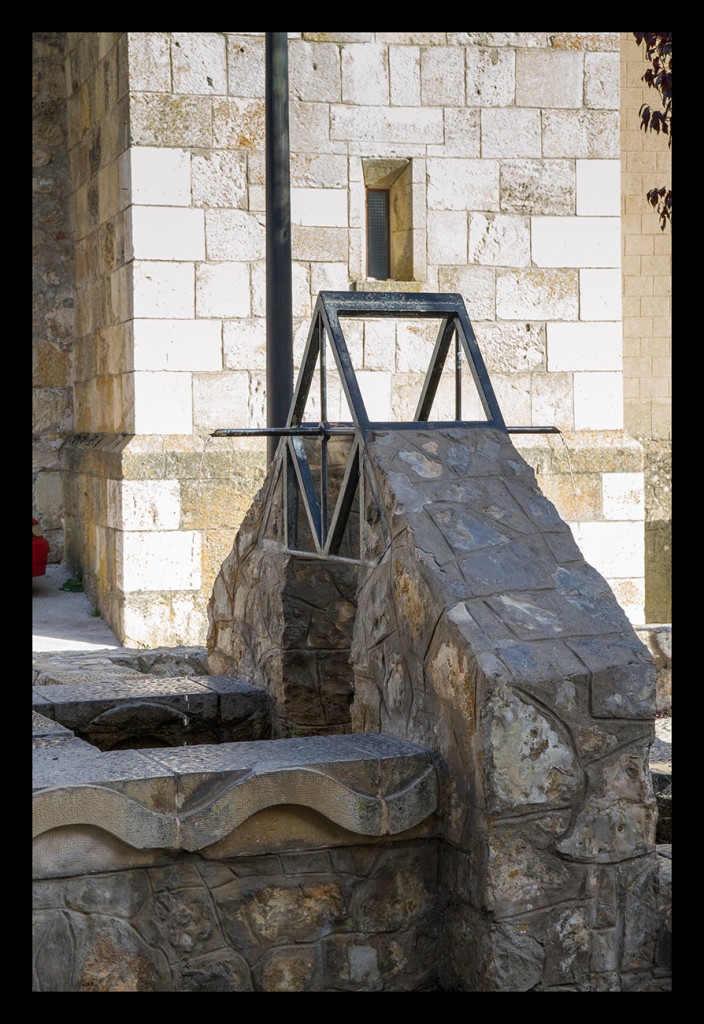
[327,533]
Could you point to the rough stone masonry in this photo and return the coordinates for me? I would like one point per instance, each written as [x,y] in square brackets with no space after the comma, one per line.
[482,634]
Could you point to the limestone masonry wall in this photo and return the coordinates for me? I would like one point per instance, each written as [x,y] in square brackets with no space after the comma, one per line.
[504,153]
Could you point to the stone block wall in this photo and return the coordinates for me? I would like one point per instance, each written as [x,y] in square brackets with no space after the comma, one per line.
[151,520]
[597,483]
[52,286]
[357,919]
[507,151]
[647,322]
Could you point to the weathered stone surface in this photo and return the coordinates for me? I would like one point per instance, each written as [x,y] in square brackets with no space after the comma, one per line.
[537,186]
[531,763]
[658,640]
[534,294]
[618,817]
[558,748]
[97,954]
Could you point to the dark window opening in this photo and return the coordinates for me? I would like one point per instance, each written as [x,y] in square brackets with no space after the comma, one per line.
[378,234]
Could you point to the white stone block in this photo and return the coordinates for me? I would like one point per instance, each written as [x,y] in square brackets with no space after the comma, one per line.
[198,63]
[598,402]
[499,39]
[510,132]
[159,560]
[145,626]
[322,207]
[314,71]
[616,550]
[234,235]
[312,170]
[244,344]
[499,241]
[163,403]
[491,77]
[221,400]
[447,236]
[600,295]
[390,126]
[511,348]
[365,74]
[442,76]
[459,184]
[246,65]
[404,75]
[257,399]
[598,188]
[257,199]
[548,78]
[144,504]
[177,345]
[415,341]
[513,393]
[602,73]
[477,285]
[330,277]
[630,594]
[375,387]
[310,128]
[164,290]
[623,495]
[462,134]
[538,186]
[219,179]
[238,124]
[300,290]
[149,61]
[533,294]
[552,400]
[576,241]
[222,290]
[258,288]
[581,134]
[380,345]
[584,346]
[167,233]
[157,177]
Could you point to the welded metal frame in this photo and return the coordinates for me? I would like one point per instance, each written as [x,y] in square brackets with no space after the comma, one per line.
[330,307]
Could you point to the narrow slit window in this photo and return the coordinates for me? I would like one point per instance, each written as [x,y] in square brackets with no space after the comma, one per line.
[378,236]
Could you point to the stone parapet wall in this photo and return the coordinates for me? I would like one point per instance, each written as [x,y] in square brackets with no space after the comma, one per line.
[271,866]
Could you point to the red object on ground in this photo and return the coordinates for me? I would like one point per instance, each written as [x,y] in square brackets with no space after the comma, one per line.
[40,550]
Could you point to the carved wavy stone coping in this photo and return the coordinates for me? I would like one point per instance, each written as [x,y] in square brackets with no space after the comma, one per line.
[188,798]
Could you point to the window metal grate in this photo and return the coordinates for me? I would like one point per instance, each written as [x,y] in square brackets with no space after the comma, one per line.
[378,248]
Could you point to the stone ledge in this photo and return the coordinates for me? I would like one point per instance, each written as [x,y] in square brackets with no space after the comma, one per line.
[135,710]
[190,798]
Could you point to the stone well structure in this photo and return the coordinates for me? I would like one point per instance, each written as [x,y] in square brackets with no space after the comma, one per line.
[456,795]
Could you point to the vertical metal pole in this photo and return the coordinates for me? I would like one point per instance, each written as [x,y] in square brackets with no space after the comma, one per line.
[279,324]
[458,377]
